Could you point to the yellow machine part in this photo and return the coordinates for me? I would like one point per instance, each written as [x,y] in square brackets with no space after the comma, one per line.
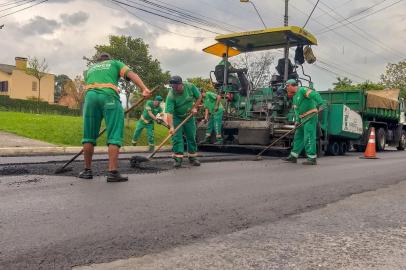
[219,49]
[269,38]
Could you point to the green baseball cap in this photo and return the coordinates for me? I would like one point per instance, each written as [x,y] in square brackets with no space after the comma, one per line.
[291,81]
[158,98]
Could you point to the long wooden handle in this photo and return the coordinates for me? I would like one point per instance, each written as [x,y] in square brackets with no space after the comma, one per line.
[171,135]
[104,129]
[140,101]
[290,131]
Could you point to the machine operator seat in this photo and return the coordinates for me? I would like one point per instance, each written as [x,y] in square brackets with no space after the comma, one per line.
[240,84]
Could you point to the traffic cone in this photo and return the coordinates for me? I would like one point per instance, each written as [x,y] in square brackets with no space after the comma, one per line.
[370,151]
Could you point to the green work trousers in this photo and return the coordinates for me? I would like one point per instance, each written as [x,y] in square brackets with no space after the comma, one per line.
[189,130]
[150,131]
[215,123]
[305,138]
[99,105]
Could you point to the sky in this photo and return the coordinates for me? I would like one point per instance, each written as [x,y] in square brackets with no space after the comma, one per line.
[63,31]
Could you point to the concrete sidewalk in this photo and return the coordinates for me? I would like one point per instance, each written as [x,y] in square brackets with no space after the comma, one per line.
[14,145]
[10,140]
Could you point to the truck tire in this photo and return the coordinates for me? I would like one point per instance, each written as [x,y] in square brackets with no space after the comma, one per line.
[333,148]
[380,140]
[402,141]
[343,148]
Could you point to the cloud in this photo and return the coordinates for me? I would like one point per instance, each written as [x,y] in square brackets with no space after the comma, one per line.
[74,19]
[40,26]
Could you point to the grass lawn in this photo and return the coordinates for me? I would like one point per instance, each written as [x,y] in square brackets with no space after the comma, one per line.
[62,130]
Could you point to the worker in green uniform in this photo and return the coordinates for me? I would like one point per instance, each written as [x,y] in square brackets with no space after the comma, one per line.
[184,98]
[102,100]
[152,109]
[213,115]
[306,102]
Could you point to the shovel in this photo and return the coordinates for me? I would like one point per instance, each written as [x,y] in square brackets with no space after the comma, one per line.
[259,156]
[63,168]
[137,160]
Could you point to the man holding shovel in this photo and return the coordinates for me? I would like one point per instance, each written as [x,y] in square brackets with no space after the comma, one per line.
[152,109]
[183,99]
[213,114]
[306,102]
[102,100]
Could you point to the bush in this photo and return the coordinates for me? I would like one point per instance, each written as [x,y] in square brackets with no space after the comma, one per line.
[31,106]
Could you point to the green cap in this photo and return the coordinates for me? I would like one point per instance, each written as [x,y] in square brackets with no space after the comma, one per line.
[158,98]
[291,81]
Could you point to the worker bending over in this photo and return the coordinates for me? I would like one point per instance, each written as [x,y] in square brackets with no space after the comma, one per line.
[213,115]
[182,100]
[152,109]
[102,100]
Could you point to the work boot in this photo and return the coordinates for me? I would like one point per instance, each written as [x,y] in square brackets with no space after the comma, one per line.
[291,159]
[115,176]
[177,162]
[310,161]
[194,161]
[151,148]
[134,143]
[86,174]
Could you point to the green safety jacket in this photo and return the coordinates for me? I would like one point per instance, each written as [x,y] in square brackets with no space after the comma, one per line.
[305,102]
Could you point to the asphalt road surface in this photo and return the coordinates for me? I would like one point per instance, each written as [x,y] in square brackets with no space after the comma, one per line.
[185,218]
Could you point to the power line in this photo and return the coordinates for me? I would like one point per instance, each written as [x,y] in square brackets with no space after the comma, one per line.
[360,31]
[159,27]
[165,17]
[18,5]
[14,12]
[337,7]
[340,69]
[342,36]
[331,27]
[311,13]
[11,3]
[203,16]
[179,14]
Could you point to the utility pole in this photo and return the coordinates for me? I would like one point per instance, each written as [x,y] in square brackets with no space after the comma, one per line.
[286,52]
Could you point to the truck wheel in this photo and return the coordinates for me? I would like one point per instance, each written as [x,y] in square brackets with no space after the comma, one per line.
[380,140]
[343,148]
[334,148]
[402,141]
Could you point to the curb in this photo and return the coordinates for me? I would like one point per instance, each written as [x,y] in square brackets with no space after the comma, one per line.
[62,150]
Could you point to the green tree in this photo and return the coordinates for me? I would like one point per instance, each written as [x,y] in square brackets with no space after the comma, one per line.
[201,83]
[60,81]
[343,84]
[134,52]
[368,85]
[37,69]
[395,77]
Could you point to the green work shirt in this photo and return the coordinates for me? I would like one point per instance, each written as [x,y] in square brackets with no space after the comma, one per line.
[104,76]
[210,100]
[305,100]
[149,106]
[180,105]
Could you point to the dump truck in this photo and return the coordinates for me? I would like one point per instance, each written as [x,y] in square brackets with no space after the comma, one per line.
[358,111]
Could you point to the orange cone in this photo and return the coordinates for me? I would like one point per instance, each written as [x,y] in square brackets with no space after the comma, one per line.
[370,151]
